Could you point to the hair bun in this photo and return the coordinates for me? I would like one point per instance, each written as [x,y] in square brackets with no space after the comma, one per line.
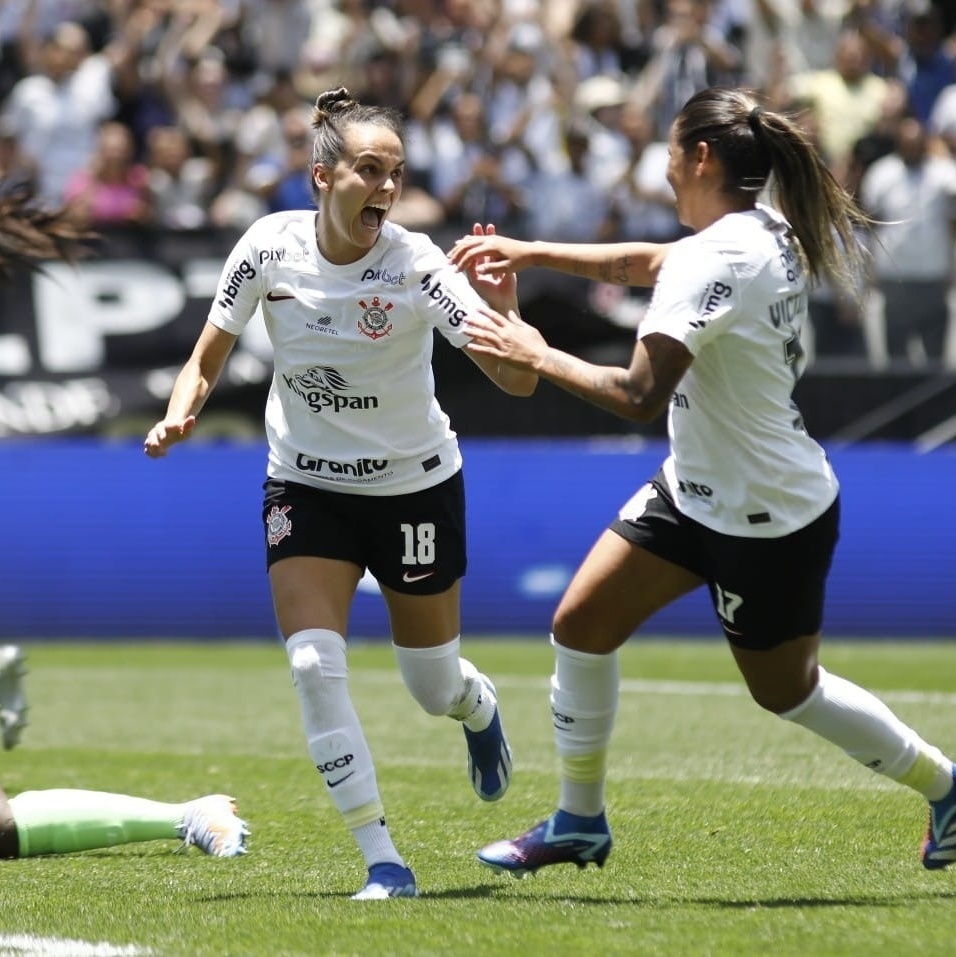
[333,101]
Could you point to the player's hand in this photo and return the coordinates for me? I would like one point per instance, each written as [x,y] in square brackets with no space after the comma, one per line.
[500,289]
[490,254]
[506,337]
[165,434]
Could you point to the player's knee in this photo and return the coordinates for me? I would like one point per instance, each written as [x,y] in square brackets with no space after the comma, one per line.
[317,662]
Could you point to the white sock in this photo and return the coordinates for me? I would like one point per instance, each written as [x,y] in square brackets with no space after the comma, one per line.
[584,696]
[864,727]
[444,683]
[335,738]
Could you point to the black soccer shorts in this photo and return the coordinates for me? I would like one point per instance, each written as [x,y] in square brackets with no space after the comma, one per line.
[765,591]
[413,543]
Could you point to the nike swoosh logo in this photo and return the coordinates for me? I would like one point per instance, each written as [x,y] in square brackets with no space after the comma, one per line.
[416,578]
[345,777]
[277,296]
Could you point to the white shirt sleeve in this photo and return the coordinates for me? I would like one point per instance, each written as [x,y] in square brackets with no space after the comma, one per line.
[446,295]
[238,291]
[695,298]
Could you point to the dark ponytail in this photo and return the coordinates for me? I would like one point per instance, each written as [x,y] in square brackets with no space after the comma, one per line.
[757,147]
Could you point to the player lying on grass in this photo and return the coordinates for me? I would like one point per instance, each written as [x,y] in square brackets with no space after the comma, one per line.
[62,820]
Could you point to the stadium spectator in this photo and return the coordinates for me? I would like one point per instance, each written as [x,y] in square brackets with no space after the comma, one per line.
[921,58]
[56,113]
[472,179]
[566,205]
[746,502]
[364,470]
[180,184]
[207,112]
[847,97]
[690,54]
[596,40]
[521,101]
[912,194]
[599,102]
[642,199]
[113,190]
[285,183]
[790,36]
[258,136]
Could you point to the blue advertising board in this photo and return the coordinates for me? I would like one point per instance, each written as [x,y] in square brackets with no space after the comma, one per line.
[101,542]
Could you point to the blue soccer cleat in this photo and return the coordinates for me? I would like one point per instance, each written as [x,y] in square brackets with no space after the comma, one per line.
[387,880]
[489,757]
[939,845]
[562,839]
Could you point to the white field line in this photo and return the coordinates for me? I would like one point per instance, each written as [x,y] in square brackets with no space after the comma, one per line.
[28,945]
[685,689]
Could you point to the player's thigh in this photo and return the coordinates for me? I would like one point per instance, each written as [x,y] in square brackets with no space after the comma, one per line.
[617,588]
[781,677]
[314,553]
[310,592]
[417,540]
[767,591]
[424,621]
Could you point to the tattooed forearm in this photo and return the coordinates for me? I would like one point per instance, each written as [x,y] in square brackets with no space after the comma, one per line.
[604,386]
[622,274]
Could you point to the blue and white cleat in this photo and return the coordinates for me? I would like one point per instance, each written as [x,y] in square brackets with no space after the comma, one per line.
[13,699]
[939,845]
[387,880]
[489,757]
[562,839]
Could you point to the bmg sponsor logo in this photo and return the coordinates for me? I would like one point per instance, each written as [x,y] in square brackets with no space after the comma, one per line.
[715,293]
[321,389]
[446,301]
[245,270]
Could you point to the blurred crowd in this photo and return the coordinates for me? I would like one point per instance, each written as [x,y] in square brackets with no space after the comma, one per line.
[547,117]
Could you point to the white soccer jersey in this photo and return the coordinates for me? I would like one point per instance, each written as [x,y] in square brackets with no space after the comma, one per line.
[740,460]
[352,403]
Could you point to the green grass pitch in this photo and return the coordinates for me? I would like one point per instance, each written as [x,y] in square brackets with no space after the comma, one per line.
[735,833]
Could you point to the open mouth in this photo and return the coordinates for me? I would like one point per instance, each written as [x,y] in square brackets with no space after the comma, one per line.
[372,216]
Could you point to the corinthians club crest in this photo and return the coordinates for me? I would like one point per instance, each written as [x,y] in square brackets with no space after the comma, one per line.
[278,524]
[374,322]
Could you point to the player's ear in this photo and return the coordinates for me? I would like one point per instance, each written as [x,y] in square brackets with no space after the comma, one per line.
[322,177]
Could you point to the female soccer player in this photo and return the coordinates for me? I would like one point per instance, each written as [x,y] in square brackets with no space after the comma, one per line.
[60,820]
[746,501]
[364,471]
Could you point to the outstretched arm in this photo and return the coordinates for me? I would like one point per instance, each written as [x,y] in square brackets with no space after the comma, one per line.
[640,392]
[192,387]
[624,264]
